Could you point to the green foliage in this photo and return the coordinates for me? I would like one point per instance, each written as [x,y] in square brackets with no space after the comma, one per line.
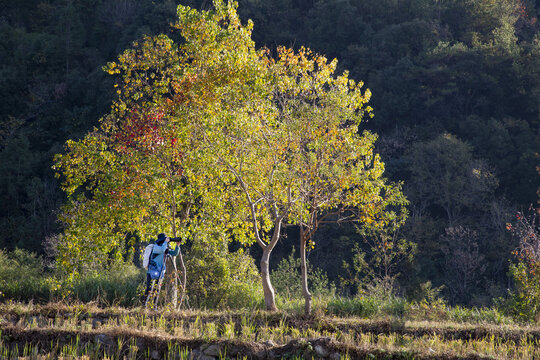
[476,315]
[378,268]
[23,277]
[20,227]
[119,285]
[428,295]
[526,300]
[221,279]
[521,303]
[445,174]
[373,306]
[287,280]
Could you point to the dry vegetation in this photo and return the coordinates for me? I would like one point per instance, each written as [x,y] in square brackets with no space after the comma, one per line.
[88,332]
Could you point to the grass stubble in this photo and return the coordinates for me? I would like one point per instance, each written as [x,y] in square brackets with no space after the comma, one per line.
[85,331]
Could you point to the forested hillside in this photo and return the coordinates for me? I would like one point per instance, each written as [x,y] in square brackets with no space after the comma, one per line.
[456,101]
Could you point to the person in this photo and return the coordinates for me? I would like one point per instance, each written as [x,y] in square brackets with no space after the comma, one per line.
[157,266]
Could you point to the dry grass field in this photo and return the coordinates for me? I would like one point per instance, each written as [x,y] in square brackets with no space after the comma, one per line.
[86,331]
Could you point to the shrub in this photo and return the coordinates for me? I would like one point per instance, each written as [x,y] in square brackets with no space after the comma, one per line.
[23,277]
[476,315]
[119,285]
[217,278]
[287,279]
[344,306]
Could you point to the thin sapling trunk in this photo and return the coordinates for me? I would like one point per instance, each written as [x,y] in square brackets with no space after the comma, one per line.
[303,270]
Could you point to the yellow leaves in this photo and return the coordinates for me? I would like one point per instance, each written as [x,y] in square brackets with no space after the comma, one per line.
[111,68]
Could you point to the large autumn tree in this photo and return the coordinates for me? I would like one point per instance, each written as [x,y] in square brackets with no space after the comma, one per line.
[145,169]
[337,176]
[128,178]
[299,156]
[213,131]
[237,121]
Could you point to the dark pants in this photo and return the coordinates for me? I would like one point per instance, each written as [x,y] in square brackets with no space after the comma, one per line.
[148,285]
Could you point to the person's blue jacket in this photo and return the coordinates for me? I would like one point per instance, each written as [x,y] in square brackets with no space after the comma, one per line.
[158,255]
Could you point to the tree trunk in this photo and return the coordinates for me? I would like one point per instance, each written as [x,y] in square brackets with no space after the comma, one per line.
[303,268]
[174,295]
[171,281]
[268,290]
[174,290]
[184,277]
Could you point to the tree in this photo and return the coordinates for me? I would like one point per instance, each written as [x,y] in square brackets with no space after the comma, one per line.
[286,130]
[463,262]
[337,176]
[144,170]
[526,271]
[256,155]
[388,250]
[235,119]
[444,174]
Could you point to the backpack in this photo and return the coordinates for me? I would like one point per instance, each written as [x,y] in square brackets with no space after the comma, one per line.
[146,256]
